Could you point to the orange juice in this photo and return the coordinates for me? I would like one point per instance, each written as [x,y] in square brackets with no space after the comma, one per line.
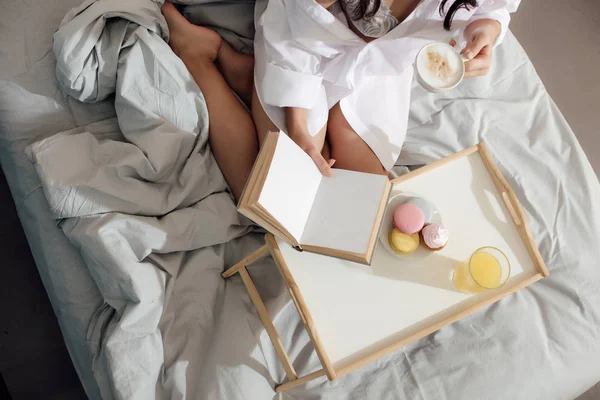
[483,271]
[486,270]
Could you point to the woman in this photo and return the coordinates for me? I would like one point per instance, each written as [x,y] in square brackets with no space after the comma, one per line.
[334,75]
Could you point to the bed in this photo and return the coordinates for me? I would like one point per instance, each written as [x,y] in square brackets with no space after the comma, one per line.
[540,343]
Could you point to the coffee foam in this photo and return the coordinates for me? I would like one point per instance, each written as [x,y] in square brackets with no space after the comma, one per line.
[440,66]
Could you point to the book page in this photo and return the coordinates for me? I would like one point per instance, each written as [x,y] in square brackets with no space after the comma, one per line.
[344,211]
[290,187]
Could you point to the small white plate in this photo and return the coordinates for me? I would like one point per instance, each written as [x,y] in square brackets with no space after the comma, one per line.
[388,224]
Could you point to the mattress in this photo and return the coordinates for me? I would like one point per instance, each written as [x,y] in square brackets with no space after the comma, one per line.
[36,108]
[542,342]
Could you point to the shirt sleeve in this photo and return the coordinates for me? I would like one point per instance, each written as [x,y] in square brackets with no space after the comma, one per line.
[498,10]
[293,81]
[292,76]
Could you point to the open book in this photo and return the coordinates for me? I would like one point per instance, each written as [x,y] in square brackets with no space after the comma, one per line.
[337,216]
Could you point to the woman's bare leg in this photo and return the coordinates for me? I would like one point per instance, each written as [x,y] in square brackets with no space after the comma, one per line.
[347,148]
[262,121]
[232,135]
[238,71]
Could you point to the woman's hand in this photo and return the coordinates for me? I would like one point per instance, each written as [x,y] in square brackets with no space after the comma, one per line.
[481,36]
[297,127]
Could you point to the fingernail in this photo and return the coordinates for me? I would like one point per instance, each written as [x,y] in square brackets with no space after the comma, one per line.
[331,162]
[470,55]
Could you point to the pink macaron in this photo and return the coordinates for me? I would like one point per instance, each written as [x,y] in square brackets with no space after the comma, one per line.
[409,218]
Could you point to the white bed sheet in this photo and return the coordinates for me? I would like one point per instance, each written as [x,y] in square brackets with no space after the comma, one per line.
[542,342]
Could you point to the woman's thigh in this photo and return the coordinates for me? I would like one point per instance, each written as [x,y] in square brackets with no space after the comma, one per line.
[262,122]
[347,148]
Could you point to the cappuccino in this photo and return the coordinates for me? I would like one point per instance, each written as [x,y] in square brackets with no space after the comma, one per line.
[439,67]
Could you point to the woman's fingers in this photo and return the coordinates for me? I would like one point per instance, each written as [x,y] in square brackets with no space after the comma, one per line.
[482,35]
[306,143]
[478,64]
[481,64]
[476,73]
[476,70]
[475,46]
[317,157]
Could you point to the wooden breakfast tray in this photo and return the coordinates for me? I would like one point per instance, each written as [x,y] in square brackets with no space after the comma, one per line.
[355,314]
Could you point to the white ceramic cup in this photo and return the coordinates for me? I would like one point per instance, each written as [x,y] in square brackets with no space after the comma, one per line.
[455,60]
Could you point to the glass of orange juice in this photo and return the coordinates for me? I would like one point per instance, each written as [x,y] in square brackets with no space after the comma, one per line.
[488,268]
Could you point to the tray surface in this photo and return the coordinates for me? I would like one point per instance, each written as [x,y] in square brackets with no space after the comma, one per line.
[358,310]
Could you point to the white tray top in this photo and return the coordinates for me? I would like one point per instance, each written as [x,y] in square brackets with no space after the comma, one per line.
[358,309]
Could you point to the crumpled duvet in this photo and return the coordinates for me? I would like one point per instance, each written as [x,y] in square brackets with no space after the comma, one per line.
[147,200]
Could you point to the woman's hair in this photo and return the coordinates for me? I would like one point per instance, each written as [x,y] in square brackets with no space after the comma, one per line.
[368,8]
[457,5]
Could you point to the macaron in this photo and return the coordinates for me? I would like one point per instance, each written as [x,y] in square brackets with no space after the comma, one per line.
[428,209]
[435,236]
[402,243]
[409,218]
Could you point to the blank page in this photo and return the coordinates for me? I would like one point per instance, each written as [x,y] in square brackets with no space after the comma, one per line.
[290,186]
[344,211]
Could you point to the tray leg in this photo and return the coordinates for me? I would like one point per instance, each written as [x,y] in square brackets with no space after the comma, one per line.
[268,324]
[302,380]
[261,252]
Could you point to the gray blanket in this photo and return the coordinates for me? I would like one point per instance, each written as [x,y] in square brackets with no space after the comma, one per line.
[152,172]
[142,199]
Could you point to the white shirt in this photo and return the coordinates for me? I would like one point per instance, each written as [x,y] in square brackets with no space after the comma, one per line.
[307,57]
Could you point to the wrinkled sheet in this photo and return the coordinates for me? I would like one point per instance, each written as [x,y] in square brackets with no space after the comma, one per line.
[160,294]
[141,210]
